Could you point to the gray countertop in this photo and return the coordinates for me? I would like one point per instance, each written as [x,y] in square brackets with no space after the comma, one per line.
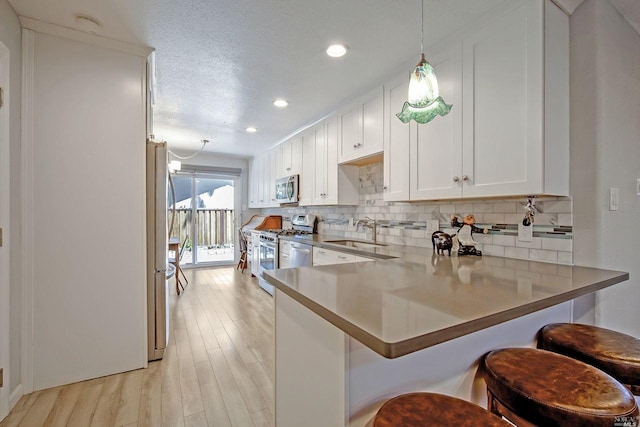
[410,299]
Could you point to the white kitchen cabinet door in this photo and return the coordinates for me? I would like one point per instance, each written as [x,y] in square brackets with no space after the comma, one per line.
[320,165]
[307,176]
[361,127]
[504,105]
[273,173]
[506,102]
[255,182]
[397,136]
[290,156]
[372,119]
[436,149]
[350,135]
[341,182]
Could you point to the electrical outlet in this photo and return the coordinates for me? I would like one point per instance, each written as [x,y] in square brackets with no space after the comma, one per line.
[638,187]
[350,222]
[525,233]
[433,225]
[614,198]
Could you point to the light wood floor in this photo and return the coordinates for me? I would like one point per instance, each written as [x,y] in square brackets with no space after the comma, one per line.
[217,371]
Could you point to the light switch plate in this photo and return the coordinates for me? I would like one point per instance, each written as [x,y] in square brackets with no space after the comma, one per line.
[525,233]
[614,198]
[433,225]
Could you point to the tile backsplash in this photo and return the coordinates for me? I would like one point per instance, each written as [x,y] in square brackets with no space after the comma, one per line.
[405,223]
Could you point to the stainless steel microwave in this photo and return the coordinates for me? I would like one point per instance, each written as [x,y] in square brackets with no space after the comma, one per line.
[287,189]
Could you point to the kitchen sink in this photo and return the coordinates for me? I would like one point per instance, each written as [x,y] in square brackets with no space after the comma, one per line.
[355,244]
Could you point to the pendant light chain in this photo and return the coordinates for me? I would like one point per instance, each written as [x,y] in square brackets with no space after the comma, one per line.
[422,29]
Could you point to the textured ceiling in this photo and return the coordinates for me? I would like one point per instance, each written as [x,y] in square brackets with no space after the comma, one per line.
[220,64]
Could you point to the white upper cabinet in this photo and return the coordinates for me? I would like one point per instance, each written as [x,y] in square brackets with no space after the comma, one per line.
[322,181]
[290,152]
[435,163]
[307,177]
[361,126]
[515,78]
[397,137]
[508,131]
[270,178]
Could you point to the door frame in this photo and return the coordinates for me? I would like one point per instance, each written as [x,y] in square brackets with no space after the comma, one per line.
[193,227]
[5,164]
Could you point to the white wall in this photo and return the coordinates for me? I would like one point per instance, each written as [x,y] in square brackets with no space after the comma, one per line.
[605,152]
[10,37]
[88,248]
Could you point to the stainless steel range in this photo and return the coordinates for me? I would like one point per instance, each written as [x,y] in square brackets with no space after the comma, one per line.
[302,225]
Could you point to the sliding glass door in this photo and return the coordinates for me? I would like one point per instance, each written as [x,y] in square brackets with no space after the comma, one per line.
[204,218]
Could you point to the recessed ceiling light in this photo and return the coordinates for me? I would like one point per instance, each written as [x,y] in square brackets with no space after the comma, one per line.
[251,129]
[280,103]
[336,50]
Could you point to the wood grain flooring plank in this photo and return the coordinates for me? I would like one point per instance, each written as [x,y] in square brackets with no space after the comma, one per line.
[263,418]
[150,412]
[64,405]
[39,410]
[191,397]
[172,414]
[130,397]
[108,402]
[248,388]
[196,420]
[233,400]
[82,414]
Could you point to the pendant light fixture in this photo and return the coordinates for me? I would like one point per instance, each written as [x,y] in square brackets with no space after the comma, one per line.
[424,102]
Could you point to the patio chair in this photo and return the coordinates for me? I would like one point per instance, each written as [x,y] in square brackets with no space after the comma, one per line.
[181,273]
[242,264]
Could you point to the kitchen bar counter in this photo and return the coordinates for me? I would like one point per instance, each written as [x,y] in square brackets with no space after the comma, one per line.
[350,336]
[454,295]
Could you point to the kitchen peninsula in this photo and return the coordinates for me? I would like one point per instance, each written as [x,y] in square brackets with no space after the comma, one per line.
[350,336]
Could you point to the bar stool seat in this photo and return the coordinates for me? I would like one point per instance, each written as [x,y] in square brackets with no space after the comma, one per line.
[615,353]
[538,387]
[436,410]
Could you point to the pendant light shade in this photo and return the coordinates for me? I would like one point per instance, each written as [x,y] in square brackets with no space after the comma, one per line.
[424,102]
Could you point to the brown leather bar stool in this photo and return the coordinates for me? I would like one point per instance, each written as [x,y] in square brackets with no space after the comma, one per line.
[435,410]
[615,353]
[537,387]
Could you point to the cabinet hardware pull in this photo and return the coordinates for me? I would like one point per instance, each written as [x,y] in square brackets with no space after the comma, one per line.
[385,188]
[465,178]
[456,179]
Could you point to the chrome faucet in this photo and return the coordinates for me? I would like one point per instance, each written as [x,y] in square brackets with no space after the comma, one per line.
[369,223]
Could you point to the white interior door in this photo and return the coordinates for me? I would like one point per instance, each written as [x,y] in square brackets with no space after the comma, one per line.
[4,225]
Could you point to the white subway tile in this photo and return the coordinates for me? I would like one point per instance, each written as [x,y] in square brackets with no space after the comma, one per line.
[504,240]
[557,206]
[565,245]
[565,257]
[493,250]
[482,207]
[565,219]
[543,255]
[519,253]
[505,207]
[447,209]
[513,218]
[493,218]
[535,244]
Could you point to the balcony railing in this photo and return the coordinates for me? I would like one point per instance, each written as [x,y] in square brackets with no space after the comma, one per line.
[215,227]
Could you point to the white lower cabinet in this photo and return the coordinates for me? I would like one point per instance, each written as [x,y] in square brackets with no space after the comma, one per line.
[322,256]
[508,131]
[284,254]
[254,241]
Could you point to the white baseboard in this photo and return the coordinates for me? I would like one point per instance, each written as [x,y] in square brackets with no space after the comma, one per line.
[15,396]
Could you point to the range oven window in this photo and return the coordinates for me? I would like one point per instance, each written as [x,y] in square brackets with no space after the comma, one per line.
[267,255]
